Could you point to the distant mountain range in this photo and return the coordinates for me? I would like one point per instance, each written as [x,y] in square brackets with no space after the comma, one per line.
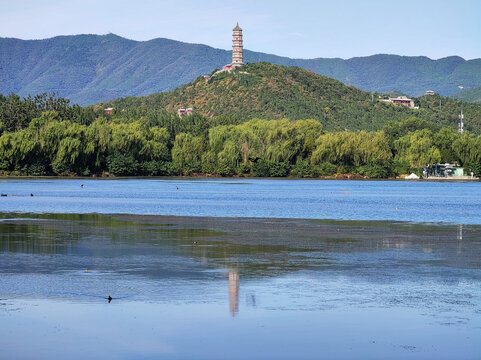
[92,68]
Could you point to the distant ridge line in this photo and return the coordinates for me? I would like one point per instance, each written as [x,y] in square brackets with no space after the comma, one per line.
[91,68]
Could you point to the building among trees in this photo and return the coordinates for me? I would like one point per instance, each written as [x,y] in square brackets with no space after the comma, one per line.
[402,100]
[182,112]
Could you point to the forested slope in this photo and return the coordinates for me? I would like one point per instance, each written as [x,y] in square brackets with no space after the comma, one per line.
[267,91]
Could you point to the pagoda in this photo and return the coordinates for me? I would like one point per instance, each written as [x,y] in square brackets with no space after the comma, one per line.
[237,47]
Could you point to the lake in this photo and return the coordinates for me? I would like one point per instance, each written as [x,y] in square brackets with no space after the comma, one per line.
[239,268]
[419,201]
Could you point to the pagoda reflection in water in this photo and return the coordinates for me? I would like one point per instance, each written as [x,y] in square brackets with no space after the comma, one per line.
[234,291]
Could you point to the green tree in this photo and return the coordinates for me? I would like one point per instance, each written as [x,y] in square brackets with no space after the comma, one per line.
[187,152]
[418,149]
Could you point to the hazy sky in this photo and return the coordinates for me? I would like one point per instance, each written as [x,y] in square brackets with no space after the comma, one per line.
[297,28]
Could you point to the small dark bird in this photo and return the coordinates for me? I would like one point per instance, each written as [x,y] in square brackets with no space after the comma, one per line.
[31,194]
[109,299]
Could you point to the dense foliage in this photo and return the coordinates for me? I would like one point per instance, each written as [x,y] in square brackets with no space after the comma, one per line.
[269,91]
[51,145]
[17,113]
[90,68]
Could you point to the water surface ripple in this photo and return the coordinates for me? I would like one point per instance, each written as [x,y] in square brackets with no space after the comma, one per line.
[450,202]
[218,288]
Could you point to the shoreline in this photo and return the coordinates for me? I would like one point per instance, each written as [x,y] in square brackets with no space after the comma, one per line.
[200,219]
[205,177]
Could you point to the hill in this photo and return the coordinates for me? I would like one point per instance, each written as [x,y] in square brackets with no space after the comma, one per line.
[267,91]
[469,95]
[308,127]
[91,68]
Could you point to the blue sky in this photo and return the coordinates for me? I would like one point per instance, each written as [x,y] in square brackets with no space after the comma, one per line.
[300,28]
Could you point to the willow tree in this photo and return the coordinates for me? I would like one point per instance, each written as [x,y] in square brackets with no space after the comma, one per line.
[352,148]
[70,155]
[444,140]
[98,137]
[465,148]
[286,141]
[187,153]
[418,148]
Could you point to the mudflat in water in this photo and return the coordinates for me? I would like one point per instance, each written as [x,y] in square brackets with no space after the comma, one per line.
[237,288]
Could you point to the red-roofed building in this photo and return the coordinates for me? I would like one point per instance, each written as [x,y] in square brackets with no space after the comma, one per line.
[403,100]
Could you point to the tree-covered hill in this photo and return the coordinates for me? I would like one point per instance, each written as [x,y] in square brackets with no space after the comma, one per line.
[46,136]
[262,90]
[469,95]
[91,68]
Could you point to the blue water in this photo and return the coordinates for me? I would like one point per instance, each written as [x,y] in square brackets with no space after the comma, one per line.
[247,289]
[450,202]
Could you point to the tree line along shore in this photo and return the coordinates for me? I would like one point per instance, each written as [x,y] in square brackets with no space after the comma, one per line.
[45,135]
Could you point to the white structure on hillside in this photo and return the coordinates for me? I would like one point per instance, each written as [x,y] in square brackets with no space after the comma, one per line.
[461,122]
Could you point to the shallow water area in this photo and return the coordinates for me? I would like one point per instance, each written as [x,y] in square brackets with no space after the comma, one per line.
[217,288]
